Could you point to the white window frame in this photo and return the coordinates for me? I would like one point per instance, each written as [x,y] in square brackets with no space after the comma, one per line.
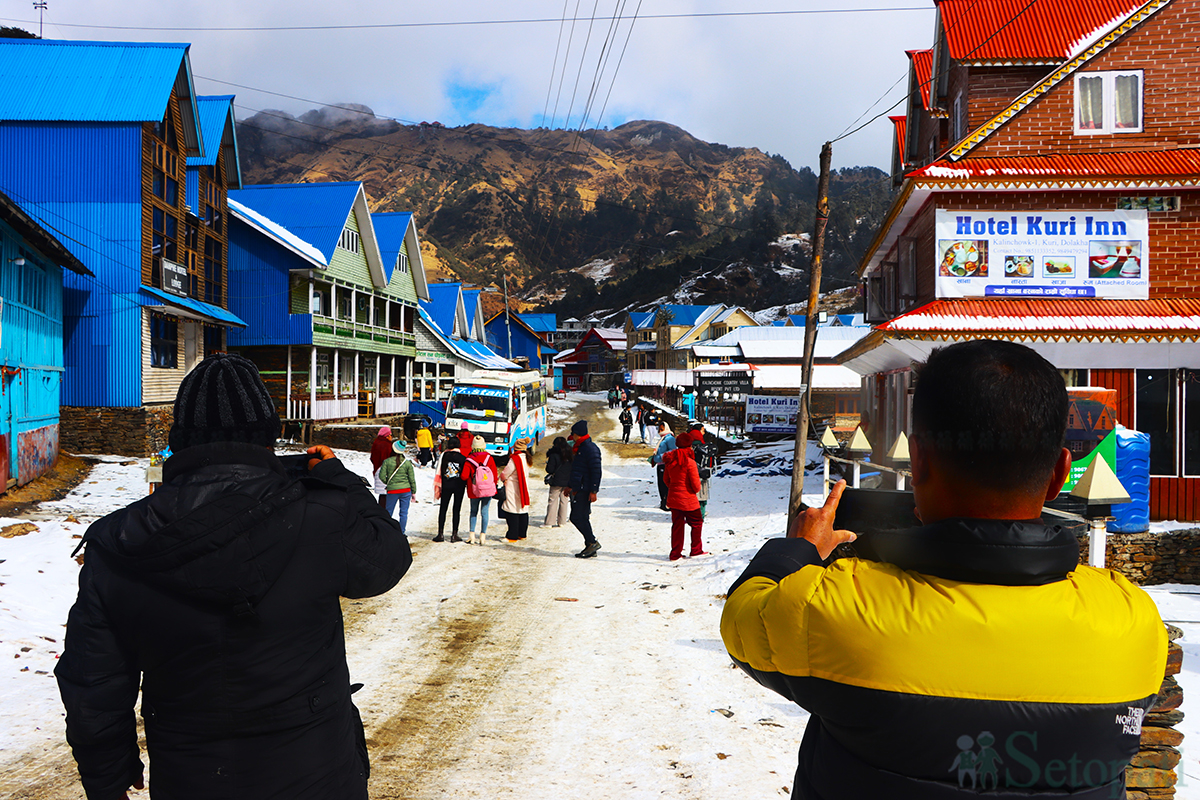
[402,262]
[349,240]
[1109,82]
[959,129]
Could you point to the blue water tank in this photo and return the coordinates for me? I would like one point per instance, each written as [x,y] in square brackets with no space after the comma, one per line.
[1133,471]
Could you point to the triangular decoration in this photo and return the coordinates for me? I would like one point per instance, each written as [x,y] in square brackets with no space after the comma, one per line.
[899,451]
[1099,485]
[828,440]
[858,442]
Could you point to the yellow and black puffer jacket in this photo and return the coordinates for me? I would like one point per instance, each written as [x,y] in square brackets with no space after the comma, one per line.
[968,656]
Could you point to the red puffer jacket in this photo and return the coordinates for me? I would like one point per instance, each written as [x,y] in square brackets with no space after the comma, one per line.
[682,478]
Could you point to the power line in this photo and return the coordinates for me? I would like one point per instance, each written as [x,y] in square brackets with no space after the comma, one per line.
[479,22]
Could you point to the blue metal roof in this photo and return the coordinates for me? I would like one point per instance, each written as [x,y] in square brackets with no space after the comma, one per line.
[470,305]
[215,115]
[390,229]
[315,212]
[443,305]
[684,315]
[642,319]
[65,81]
[475,352]
[215,313]
[542,323]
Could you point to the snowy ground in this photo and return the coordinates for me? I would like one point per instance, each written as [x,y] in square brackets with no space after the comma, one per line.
[602,677]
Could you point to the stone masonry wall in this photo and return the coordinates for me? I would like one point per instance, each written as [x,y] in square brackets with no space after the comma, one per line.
[1151,774]
[137,431]
[1151,558]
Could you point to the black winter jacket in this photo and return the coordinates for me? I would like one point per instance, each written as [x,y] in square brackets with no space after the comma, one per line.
[219,593]
[558,468]
[980,656]
[585,468]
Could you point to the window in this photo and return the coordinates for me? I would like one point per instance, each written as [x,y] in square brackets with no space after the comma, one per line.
[323,384]
[908,271]
[321,300]
[349,240]
[1108,102]
[344,305]
[212,340]
[958,119]
[31,290]
[402,262]
[1191,422]
[213,270]
[163,240]
[1155,409]
[164,342]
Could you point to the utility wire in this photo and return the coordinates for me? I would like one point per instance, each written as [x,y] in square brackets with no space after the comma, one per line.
[465,23]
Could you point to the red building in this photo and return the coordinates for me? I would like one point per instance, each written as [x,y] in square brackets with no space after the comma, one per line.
[600,351]
[1050,194]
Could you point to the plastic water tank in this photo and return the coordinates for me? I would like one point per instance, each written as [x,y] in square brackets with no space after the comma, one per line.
[1133,471]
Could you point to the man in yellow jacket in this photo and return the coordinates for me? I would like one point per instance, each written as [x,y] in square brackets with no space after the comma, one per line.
[973,653]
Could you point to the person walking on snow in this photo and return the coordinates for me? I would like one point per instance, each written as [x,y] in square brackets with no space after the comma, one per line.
[666,443]
[558,477]
[641,421]
[705,461]
[515,477]
[626,420]
[482,478]
[398,475]
[583,486]
[451,468]
[218,597]
[683,484]
[381,448]
[424,444]
[652,420]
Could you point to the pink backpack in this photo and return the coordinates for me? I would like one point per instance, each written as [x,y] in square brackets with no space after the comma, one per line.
[483,483]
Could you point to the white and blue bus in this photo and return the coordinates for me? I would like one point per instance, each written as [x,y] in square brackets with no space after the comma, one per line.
[499,406]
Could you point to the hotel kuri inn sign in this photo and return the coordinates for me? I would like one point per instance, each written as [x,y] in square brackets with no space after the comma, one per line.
[1084,253]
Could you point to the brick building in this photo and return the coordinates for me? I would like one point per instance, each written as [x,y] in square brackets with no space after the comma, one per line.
[1049,193]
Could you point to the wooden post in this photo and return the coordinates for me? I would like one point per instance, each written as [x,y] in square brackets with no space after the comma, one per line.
[312,382]
[287,403]
[800,453]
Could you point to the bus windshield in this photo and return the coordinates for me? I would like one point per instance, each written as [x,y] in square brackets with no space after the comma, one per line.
[479,401]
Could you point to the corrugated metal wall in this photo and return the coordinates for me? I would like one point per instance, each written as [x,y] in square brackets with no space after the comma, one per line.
[259,288]
[83,183]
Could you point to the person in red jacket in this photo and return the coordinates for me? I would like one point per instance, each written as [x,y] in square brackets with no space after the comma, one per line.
[683,484]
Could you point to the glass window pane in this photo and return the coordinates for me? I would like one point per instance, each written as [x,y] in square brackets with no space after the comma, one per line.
[1090,96]
[1155,411]
[1126,102]
[1191,422]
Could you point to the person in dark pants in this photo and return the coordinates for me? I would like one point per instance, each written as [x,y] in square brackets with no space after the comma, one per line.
[454,485]
[626,420]
[585,483]
[218,597]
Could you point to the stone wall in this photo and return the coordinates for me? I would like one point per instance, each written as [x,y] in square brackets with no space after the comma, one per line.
[351,436]
[1151,774]
[137,431]
[1150,558]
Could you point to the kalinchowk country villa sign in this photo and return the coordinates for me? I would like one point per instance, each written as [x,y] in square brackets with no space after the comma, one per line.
[1081,254]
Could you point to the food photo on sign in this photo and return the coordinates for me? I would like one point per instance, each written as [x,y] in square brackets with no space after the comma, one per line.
[963,259]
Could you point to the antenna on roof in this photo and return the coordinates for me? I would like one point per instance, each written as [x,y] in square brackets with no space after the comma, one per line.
[40,5]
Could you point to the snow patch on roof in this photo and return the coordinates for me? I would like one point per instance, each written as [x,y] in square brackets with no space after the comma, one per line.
[278,232]
[1088,39]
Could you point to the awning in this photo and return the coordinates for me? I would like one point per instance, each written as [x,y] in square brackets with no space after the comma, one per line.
[194,309]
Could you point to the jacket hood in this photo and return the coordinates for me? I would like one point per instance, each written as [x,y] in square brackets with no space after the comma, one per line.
[674,457]
[996,551]
[219,530]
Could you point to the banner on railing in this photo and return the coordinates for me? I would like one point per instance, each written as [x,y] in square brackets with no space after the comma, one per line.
[768,414]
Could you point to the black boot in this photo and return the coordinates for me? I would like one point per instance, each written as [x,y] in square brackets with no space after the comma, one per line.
[439,537]
[454,537]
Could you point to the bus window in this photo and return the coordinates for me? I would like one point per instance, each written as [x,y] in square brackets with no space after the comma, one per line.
[478,401]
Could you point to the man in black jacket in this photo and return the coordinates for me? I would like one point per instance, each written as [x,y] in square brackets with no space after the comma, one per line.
[219,595]
[974,652]
[585,483]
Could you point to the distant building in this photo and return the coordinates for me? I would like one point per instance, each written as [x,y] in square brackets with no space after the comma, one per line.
[515,339]
[600,351]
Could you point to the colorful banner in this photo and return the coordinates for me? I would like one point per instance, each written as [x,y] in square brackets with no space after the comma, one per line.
[768,414]
[1072,254]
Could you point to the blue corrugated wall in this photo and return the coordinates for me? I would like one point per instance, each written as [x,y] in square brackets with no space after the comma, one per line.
[82,182]
[258,290]
[31,349]
[523,342]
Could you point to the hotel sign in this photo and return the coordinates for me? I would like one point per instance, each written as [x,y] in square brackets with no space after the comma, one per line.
[174,278]
[1071,254]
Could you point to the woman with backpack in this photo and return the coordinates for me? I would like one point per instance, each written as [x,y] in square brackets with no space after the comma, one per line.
[481,475]
[451,467]
[400,478]
[626,420]
[515,477]
[558,477]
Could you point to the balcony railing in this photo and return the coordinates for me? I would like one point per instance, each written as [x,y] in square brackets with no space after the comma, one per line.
[352,330]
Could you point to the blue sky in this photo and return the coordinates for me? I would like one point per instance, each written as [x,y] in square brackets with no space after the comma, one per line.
[783,83]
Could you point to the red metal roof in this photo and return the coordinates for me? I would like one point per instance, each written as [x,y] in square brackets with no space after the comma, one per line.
[1029,30]
[1051,316]
[1140,164]
[922,64]
[901,123]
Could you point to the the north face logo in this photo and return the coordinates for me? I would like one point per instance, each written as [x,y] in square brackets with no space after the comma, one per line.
[1131,723]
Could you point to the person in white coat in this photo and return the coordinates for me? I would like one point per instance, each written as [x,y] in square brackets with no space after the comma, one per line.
[515,477]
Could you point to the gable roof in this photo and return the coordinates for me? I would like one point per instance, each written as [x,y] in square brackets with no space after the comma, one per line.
[684,315]
[1124,167]
[393,229]
[65,81]
[1018,30]
[471,308]
[475,352]
[219,133]
[280,234]
[542,323]
[922,73]
[901,123]
[317,213]
[445,300]
[1081,54]
[638,319]
[522,323]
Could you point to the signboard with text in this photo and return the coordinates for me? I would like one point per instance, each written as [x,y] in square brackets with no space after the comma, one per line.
[174,278]
[1065,254]
[766,414]
[712,389]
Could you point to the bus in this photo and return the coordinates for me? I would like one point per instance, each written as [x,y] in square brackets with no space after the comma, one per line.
[499,406]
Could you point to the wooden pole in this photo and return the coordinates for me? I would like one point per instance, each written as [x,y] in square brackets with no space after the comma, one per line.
[800,453]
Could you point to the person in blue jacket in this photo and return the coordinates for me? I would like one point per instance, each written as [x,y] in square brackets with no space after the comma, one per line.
[584,484]
[666,443]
